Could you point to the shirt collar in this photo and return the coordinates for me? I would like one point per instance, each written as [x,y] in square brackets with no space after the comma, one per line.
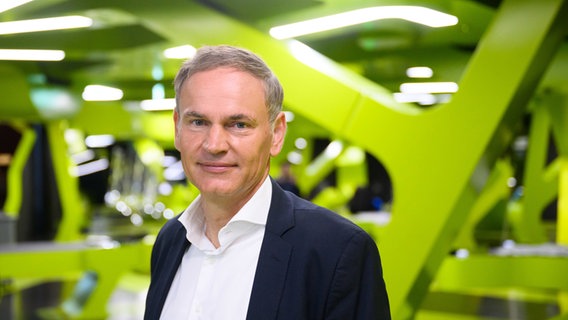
[255,211]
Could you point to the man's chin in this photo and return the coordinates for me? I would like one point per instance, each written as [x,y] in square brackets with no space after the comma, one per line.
[217,190]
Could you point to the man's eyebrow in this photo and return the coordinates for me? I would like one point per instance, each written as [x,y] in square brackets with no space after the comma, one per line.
[239,116]
[242,116]
[193,114]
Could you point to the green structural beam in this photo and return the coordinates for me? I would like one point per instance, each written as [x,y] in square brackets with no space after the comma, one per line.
[108,261]
[432,162]
[15,190]
[495,190]
[430,155]
[72,209]
[540,178]
[496,272]
[17,104]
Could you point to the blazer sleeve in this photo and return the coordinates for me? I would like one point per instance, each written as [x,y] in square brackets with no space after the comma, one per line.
[358,290]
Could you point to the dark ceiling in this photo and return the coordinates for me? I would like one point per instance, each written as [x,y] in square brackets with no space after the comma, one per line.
[122,47]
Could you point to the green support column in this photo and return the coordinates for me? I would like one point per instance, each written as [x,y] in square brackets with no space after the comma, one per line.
[562,230]
[433,161]
[559,118]
[494,191]
[540,179]
[14,196]
[72,209]
[430,155]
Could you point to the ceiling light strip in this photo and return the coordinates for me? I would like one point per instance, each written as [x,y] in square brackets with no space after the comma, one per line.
[45,24]
[31,55]
[429,87]
[6,5]
[421,15]
[95,92]
[158,104]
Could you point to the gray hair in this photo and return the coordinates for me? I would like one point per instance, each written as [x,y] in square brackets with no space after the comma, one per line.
[212,57]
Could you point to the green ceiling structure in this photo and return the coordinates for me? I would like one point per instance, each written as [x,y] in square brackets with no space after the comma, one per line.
[431,155]
[444,162]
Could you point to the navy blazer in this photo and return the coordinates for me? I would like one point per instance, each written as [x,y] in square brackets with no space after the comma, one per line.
[313,264]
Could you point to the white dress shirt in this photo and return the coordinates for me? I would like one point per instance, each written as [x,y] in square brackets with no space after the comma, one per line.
[216,283]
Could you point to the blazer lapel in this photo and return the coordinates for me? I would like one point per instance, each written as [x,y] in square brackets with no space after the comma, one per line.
[173,252]
[273,260]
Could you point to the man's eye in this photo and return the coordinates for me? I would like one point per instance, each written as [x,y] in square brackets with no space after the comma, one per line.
[241,125]
[197,122]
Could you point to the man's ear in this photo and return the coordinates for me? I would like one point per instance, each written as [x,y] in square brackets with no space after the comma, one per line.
[278,134]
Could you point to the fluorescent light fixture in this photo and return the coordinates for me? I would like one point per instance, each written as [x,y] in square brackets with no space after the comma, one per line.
[421,15]
[95,92]
[511,182]
[419,72]
[169,214]
[91,167]
[425,99]
[158,104]
[6,5]
[165,188]
[158,91]
[181,52]
[168,160]
[83,156]
[429,87]
[420,98]
[313,59]
[333,149]
[294,157]
[31,55]
[301,143]
[99,141]
[174,172]
[45,24]
[289,115]
[53,102]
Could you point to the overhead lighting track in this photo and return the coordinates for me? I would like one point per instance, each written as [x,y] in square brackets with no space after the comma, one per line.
[45,24]
[6,5]
[158,104]
[429,87]
[95,92]
[31,55]
[181,52]
[419,72]
[421,15]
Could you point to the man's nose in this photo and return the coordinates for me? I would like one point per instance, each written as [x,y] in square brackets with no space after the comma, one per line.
[216,140]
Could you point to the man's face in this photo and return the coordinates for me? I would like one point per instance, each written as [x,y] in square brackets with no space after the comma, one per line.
[223,133]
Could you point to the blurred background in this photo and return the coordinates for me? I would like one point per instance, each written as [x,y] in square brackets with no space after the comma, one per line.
[439,126]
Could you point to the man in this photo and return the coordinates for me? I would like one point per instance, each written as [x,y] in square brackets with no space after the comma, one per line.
[287,181]
[246,249]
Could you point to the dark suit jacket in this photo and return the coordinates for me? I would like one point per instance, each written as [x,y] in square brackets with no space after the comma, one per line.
[313,264]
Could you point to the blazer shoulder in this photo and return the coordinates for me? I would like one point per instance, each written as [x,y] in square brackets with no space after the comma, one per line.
[312,220]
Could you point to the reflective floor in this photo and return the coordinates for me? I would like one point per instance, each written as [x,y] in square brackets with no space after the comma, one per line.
[42,302]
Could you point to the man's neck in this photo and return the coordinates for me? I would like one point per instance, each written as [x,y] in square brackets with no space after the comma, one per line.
[219,210]
[217,213]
